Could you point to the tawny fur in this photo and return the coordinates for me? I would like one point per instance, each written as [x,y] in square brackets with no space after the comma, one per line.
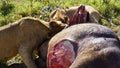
[62,14]
[23,36]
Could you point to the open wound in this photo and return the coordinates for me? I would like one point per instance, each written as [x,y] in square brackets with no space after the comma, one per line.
[62,55]
[80,16]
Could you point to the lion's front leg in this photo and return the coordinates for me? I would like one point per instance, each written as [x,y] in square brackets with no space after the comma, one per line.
[26,51]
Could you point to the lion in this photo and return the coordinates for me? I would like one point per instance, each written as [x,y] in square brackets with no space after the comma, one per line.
[24,36]
[65,15]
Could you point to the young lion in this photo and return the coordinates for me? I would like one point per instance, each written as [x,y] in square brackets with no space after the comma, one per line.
[24,36]
[62,14]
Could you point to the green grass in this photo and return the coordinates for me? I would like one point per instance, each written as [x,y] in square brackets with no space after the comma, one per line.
[12,10]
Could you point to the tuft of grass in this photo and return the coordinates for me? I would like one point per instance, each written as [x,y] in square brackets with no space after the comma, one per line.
[6,8]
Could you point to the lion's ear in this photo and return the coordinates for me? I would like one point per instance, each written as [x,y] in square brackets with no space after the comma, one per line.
[54,13]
